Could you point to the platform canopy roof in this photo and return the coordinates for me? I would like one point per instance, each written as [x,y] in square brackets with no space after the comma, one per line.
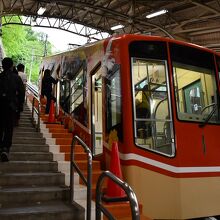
[196,21]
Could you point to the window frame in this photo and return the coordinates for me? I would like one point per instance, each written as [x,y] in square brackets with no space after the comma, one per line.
[194,68]
[109,126]
[173,142]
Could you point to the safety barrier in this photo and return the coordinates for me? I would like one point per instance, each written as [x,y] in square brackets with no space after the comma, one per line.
[87,182]
[131,197]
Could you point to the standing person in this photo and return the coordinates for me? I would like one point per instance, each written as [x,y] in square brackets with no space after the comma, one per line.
[46,89]
[21,73]
[11,95]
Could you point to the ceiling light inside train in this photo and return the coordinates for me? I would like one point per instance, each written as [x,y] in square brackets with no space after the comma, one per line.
[41,10]
[117,27]
[155,14]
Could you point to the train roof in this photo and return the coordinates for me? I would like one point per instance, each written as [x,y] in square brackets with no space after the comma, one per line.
[133,37]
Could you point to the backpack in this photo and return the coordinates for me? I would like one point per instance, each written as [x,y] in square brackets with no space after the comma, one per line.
[7,101]
[4,89]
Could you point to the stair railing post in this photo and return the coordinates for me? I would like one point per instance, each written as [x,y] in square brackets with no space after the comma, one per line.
[32,111]
[38,116]
[131,197]
[87,182]
[89,186]
[71,171]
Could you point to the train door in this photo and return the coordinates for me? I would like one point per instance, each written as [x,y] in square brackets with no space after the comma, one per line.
[153,122]
[96,97]
[153,119]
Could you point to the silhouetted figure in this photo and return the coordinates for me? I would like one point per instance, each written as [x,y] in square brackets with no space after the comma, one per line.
[21,73]
[46,89]
[11,98]
[18,113]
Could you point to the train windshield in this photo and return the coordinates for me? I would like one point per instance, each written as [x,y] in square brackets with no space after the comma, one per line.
[152,113]
[195,85]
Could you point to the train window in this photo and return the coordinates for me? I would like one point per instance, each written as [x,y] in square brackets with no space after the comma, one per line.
[65,95]
[113,93]
[152,117]
[195,84]
[151,50]
[218,65]
[76,97]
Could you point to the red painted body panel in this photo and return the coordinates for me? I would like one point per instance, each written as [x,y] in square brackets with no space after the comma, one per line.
[190,150]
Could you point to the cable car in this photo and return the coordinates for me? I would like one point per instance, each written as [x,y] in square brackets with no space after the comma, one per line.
[159,99]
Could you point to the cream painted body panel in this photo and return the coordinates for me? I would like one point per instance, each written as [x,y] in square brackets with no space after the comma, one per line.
[165,197]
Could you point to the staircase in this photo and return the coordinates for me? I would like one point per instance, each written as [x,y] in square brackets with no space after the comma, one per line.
[31,187]
[59,140]
[60,146]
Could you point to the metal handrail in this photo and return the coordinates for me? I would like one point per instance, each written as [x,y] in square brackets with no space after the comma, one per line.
[37,111]
[131,197]
[87,182]
[32,89]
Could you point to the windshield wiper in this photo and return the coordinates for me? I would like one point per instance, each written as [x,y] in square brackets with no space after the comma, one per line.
[205,122]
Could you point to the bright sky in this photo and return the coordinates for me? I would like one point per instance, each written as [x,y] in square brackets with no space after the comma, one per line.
[61,39]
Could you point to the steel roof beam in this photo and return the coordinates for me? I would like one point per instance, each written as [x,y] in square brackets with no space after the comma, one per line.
[63,25]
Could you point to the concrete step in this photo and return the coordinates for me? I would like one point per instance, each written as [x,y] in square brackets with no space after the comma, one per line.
[26,113]
[62,135]
[30,156]
[31,188]
[56,210]
[95,175]
[55,126]
[28,140]
[77,156]
[29,148]
[23,129]
[26,118]
[28,166]
[82,164]
[30,179]
[24,123]
[66,148]
[26,134]
[23,126]
[64,141]
[58,130]
[20,195]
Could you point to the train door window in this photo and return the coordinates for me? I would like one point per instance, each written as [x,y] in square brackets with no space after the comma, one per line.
[113,93]
[65,95]
[218,65]
[152,116]
[193,98]
[97,130]
[77,108]
[195,84]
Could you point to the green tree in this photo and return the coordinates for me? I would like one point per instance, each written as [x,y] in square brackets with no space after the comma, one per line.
[25,46]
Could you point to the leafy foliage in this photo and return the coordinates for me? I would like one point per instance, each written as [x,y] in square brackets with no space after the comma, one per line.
[25,46]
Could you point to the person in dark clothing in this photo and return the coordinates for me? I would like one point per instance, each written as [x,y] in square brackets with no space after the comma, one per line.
[46,89]
[11,98]
[18,113]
